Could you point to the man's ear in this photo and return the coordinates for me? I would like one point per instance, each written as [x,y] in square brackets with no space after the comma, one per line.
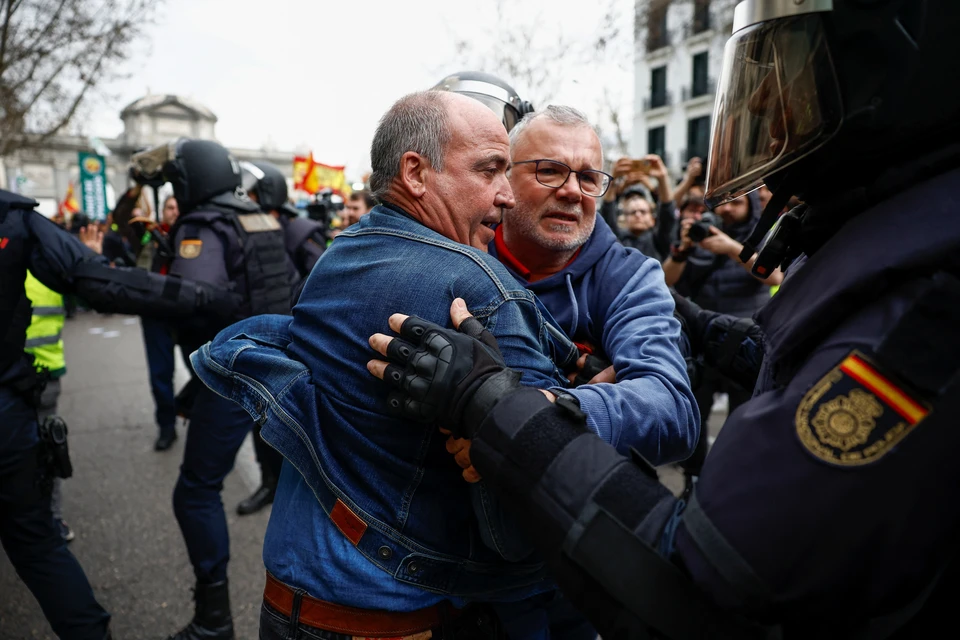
[413,168]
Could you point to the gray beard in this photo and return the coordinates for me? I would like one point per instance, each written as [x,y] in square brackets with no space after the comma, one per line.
[529,227]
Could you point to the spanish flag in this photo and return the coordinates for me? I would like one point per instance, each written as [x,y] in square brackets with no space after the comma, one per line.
[312,176]
[69,206]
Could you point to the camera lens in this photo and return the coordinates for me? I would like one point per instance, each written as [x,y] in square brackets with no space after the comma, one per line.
[698,231]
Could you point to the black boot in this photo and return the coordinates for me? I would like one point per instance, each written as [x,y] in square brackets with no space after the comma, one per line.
[166,439]
[260,498]
[211,617]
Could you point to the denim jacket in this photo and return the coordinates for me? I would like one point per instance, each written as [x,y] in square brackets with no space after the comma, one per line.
[387,486]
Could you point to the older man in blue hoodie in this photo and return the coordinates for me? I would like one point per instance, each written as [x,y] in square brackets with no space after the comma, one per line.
[611,300]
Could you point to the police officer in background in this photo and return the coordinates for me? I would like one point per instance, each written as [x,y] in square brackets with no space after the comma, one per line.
[305,241]
[60,261]
[825,508]
[304,238]
[224,238]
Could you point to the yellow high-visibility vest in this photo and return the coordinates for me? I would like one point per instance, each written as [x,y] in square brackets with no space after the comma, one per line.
[44,333]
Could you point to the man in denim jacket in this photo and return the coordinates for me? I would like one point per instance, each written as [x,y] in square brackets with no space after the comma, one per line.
[370,512]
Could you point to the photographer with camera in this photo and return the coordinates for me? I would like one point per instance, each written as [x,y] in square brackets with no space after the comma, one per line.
[704,267]
[708,249]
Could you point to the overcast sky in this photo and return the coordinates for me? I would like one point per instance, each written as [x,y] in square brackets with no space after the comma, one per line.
[318,75]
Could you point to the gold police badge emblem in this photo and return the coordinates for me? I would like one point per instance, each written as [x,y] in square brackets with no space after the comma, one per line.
[855,414]
[190,249]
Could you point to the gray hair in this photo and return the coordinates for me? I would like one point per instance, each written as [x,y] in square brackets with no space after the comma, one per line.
[417,122]
[559,114]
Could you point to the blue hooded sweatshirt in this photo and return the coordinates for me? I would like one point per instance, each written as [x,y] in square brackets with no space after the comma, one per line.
[613,300]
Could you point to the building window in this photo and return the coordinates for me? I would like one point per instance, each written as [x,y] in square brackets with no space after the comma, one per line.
[657,34]
[658,87]
[657,141]
[698,137]
[701,16]
[700,85]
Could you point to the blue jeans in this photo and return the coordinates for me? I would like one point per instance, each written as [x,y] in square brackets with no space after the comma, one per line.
[217,429]
[33,543]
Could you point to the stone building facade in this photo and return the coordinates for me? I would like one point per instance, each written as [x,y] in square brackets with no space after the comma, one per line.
[44,170]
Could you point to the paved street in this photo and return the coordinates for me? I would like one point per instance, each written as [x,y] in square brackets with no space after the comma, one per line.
[119,500]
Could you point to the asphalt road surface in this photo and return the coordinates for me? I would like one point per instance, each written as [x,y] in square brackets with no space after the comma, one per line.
[119,500]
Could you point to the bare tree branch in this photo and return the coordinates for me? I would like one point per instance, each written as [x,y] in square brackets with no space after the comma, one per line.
[53,53]
[83,91]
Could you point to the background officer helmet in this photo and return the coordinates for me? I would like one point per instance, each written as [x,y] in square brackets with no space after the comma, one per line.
[491,91]
[198,170]
[816,91]
[268,183]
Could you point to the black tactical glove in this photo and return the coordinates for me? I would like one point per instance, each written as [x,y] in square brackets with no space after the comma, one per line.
[733,345]
[592,366]
[694,321]
[451,377]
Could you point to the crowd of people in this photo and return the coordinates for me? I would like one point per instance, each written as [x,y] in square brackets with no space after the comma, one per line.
[562,331]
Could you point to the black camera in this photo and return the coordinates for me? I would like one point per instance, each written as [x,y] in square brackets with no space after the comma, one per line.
[324,207]
[700,229]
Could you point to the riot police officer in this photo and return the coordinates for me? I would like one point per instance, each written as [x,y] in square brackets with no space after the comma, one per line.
[305,241]
[825,507]
[221,237]
[59,260]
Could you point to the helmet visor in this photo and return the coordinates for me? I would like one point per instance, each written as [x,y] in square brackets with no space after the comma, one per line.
[148,165]
[507,114]
[778,100]
[250,175]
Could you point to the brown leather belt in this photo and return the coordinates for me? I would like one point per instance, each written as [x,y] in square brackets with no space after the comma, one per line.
[368,623]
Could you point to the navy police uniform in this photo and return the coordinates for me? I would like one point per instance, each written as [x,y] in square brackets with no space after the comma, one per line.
[58,259]
[240,248]
[222,238]
[304,241]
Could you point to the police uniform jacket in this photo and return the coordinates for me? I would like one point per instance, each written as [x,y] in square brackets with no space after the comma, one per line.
[234,246]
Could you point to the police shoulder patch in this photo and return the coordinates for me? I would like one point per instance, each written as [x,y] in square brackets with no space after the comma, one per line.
[855,414]
[190,248]
[257,222]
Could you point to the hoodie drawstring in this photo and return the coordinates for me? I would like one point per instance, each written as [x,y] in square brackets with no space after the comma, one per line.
[573,303]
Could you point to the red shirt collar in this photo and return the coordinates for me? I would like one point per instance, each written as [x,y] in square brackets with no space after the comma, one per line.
[507,258]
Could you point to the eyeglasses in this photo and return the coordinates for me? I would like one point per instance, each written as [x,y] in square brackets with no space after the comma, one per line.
[553,174]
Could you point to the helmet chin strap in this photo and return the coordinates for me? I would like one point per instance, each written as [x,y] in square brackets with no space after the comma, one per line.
[768,218]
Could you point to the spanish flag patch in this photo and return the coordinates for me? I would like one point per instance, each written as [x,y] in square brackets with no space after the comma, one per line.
[190,249]
[855,414]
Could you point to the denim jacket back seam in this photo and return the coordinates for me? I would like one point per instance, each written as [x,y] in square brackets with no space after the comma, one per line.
[408,495]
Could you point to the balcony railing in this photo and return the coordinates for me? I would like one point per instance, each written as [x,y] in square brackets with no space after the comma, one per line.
[657,100]
[698,90]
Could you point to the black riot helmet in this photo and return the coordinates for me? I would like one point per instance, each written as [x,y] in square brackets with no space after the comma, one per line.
[268,183]
[491,91]
[818,97]
[200,171]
